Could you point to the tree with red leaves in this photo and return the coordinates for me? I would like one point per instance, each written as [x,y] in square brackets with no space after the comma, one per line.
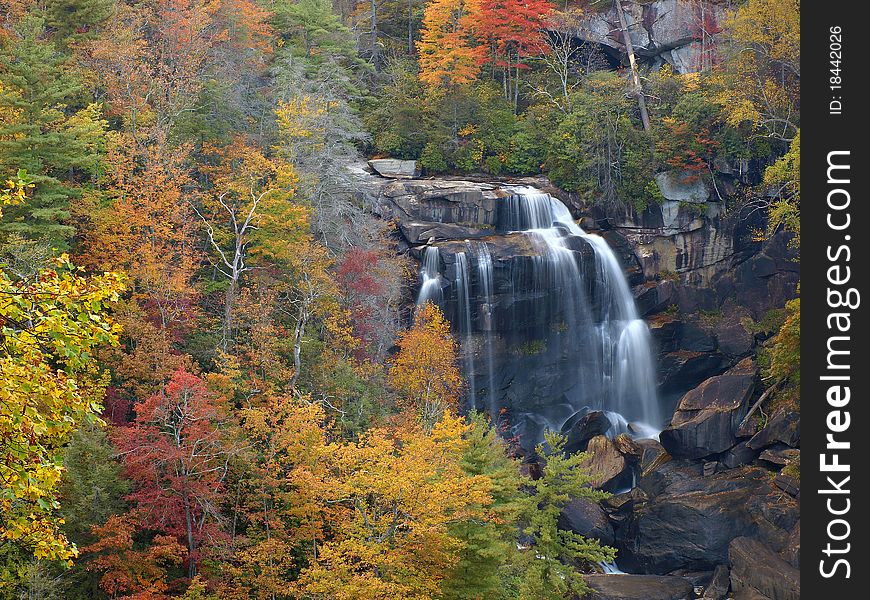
[513,31]
[363,290]
[176,453]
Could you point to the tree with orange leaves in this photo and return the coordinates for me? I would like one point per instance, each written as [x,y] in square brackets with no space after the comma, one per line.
[448,52]
[424,371]
[513,32]
[127,571]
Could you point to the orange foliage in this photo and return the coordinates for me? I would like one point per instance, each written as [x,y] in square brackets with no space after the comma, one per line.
[424,371]
[447,52]
[147,229]
[129,573]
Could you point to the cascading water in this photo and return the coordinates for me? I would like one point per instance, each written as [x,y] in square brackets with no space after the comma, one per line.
[430,286]
[563,317]
[463,292]
[486,282]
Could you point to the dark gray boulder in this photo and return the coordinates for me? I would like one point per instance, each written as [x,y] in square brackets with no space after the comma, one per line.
[580,429]
[707,418]
[755,567]
[586,517]
[717,588]
[784,427]
[638,587]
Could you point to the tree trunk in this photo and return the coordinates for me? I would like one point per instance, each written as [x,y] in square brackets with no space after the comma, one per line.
[635,77]
[191,544]
[229,303]
[411,27]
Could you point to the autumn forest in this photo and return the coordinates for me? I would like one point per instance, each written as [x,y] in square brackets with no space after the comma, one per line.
[215,383]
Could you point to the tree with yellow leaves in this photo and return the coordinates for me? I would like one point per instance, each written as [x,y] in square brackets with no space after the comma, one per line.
[762,79]
[424,371]
[402,490]
[49,329]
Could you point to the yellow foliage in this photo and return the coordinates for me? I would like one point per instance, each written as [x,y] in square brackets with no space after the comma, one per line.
[50,329]
[424,371]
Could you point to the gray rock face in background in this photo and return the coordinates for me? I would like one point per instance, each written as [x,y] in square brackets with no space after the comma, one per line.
[680,186]
[662,31]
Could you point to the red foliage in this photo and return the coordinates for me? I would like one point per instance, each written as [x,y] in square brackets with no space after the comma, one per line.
[175,454]
[357,276]
[513,30]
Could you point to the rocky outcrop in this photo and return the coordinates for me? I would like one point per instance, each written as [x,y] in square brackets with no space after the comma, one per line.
[707,418]
[394,168]
[581,428]
[638,587]
[661,31]
[687,520]
[587,518]
[607,465]
[755,568]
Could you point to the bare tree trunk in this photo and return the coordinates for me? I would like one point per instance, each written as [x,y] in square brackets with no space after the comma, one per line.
[635,77]
[410,27]
[191,544]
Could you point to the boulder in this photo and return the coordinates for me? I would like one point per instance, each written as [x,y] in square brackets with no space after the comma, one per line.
[683,370]
[579,430]
[717,588]
[638,587]
[586,517]
[707,418]
[732,337]
[688,520]
[652,297]
[754,566]
[606,464]
[784,427]
[779,457]
[652,456]
[620,506]
[394,168]
[741,454]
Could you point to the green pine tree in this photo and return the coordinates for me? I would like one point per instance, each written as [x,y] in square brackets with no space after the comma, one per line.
[40,133]
[550,569]
[489,545]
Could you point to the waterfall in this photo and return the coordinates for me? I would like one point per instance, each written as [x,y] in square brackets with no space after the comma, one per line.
[463,293]
[563,318]
[486,316]
[430,286]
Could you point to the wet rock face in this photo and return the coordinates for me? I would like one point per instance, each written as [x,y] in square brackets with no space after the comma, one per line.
[538,311]
[688,520]
[638,587]
[707,418]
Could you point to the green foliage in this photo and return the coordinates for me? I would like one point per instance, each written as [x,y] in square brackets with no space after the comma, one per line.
[92,488]
[550,570]
[77,19]
[489,546]
[785,353]
[40,133]
[785,176]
